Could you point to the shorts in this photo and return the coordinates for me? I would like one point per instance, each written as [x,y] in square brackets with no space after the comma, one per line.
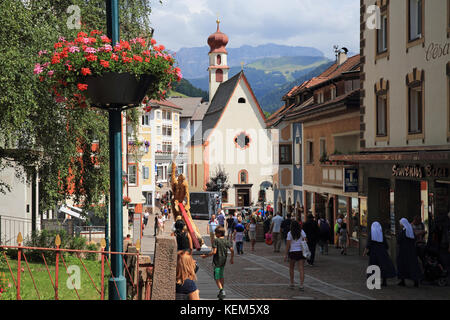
[218,273]
[252,235]
[296,255]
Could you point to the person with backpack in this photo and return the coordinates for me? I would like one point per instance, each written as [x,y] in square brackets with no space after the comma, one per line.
[184,240]
[324,234]
[230,226]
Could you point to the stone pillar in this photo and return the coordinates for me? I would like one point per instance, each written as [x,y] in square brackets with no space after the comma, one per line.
[164,272]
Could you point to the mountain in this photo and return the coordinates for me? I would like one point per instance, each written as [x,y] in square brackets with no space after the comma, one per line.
[194,61]
[270,76]
[271,101]
[186,88]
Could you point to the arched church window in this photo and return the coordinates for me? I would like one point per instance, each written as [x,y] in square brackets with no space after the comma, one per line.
[219,59]
[243,177]
[219,75]
[241,100]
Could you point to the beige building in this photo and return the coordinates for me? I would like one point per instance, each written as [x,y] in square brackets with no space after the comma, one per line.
[404,164]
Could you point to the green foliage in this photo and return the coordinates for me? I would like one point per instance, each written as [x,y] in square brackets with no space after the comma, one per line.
[92,247]
[186,88]
[219,181]
[36,133]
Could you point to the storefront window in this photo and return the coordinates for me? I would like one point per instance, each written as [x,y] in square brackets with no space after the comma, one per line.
[342,206]
[363,215]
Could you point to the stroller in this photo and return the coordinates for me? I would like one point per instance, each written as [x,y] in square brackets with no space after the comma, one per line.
[434,270]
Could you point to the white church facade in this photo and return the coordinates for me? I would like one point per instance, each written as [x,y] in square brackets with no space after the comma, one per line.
[232,136]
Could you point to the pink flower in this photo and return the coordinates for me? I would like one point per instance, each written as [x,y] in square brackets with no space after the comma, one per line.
[90,50]
[85,40]
[45,65]
[38,69]
[61,39]
[42,52]
[50,73]
[74,49]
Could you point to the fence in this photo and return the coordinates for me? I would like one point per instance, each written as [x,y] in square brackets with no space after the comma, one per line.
[11,226]
[90,233]
[139,279]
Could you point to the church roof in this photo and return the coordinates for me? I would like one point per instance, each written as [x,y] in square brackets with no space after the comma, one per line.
[189,105]
[220,101]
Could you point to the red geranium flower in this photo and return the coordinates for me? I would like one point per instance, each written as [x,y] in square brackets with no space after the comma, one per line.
[85,71]
[91,57]
[82,86]
[104,63]
[137,58]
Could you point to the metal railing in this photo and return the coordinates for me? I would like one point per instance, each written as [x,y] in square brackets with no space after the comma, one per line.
[134,275]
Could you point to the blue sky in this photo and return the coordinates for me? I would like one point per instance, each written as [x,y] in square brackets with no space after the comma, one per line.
[316,23]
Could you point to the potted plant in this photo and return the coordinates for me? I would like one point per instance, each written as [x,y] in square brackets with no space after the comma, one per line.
[88,69]
[126,200]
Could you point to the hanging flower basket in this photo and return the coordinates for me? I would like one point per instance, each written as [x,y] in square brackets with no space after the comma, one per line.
[89,71]
[126,201]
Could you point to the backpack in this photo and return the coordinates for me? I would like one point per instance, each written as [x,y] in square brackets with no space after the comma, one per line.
[182,241]
[324,226]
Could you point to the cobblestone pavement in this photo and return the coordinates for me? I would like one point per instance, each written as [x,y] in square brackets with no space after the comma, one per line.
[263,274]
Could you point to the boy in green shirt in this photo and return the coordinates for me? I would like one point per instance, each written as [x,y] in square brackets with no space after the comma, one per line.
[219,250]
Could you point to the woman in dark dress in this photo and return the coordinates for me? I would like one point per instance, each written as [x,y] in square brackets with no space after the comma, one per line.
[407,262]
[377,250]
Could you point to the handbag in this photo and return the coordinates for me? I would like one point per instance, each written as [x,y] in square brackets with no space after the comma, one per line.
[269,240]
[305,249]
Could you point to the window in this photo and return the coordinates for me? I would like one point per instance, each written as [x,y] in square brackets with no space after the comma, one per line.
[159,172]
[175,117]
[219,59]
[310,152]
[146,120]
[415,110]
[180,169]
[415,21]
[219,75]
[132,175]
[323,147]
[158,147]
[333,93]
[381,115]
[148,198]
[298,152]
[167,131]
[241,100]
[320,97]
[285,154]
[158,130]
[242,141]
[158,114]
[243,177]
[167,147]
[167,115]
[382,34]
[146,172]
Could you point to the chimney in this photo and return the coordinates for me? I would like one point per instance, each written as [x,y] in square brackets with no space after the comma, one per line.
[342,56]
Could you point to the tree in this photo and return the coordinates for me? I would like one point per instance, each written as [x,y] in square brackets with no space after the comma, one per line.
[39,134]
[218,182]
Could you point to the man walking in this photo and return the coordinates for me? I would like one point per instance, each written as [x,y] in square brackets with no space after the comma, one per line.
[312,231]
[275,230]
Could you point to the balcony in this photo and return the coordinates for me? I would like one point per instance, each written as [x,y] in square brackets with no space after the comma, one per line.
[138,150]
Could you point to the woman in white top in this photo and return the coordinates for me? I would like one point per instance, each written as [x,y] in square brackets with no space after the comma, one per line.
[294,252]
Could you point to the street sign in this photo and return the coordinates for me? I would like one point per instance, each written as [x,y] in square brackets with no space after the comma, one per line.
[350,180]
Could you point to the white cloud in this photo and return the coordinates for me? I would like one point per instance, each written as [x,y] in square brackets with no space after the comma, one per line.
[316,23]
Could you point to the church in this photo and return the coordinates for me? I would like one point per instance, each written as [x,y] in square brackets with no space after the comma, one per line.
[232,136]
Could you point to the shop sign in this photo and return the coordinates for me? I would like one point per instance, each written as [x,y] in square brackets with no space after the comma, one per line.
[350,180]
[416,171]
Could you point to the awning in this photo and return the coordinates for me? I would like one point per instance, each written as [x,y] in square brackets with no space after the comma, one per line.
[72,213]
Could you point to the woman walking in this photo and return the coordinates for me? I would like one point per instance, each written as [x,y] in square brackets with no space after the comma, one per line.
[377,250]
[407,263]
[252,232]
[295,253]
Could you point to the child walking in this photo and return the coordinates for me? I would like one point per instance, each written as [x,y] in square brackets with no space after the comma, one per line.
[219,250]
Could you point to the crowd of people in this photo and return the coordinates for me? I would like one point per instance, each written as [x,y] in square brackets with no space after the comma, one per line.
[301,240]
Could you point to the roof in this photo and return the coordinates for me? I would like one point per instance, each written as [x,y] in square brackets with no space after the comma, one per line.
[200,112]
[220,102]
[165,103]
[189,105]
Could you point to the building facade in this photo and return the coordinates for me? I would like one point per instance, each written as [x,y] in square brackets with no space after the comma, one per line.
[405,115]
